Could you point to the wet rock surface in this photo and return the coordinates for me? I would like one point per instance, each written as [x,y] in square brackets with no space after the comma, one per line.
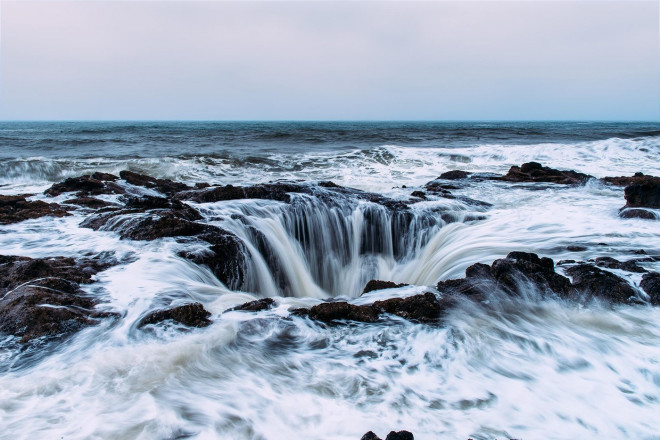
[454,175]
[165,186]
[87,185]
[42,297]
[645,193]
[651,285]
[380,285]
[611,263]
[255,306]
[393,435]
[625,180]
[191,315]
[14,209]
[535,172]
[638,213]
[424,308]
[591,280]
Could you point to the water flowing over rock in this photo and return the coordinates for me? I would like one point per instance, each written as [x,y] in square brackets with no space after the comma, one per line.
[255,306]
[191,315]
[612,263]
[651,285]
[87,185]
[14,209]
[379,285]
[42,297]
[424,308]
[535,172]
[600,283]
[164,186]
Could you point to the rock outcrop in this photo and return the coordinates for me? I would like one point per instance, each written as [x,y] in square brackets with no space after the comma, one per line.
[191,315]
[14,209]
[535,172]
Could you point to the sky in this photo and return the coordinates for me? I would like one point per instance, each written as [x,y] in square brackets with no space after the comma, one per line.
[315,60]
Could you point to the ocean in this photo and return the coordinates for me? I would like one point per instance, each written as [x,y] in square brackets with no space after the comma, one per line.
[529,367]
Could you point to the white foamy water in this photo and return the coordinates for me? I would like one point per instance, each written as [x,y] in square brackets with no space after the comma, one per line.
[527,369]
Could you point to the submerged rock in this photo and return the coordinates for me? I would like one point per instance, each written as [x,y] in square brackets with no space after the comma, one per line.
[14,209]
[42,297]
[165,186]
[638,213]
[611,263]
[535,172]
[454,175]
[191,315]
[380,285]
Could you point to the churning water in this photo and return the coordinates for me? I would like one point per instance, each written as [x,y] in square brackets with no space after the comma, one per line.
[532,369]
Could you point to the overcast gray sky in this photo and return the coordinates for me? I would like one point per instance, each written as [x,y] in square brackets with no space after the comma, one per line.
[330,60]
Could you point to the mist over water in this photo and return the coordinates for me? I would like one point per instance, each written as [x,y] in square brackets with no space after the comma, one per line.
[522,368]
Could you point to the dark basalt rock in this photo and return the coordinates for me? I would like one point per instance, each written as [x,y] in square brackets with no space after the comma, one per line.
[165,186]
[425,308]
[454,175]
[638,213]
[42,297]
[420,308]
[626,181]
[254,306]
[535,172]
[651,285]
[380,285]
[84,186]
[14,209]
[191,315]
[227,257]
[643,194]
[401,435]
[611,263]
[418,194]
[600,283]
[370,436]
[336,311]
[89,202]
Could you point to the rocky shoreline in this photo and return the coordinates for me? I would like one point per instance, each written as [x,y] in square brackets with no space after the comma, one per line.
[43,296]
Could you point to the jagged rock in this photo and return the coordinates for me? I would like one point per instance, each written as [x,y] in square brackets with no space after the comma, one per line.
[14,209]
[424,308]
[191,315]
[370,436]
[626,181]
[84,186]
[611,263]
[255,306]
[336,311]
[651,285]
[592,280]
[454,175]
[401,435]
[380,285]
[165,186]
[42,297]
[420,308]
[227,256]
[418,194]
[638,213]
[89,202]
[643,194]
[535,172]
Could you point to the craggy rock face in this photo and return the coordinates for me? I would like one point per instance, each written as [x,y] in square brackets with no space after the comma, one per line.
[644,194]
[592,280]
[164,186]
[651,285]
[380,285]
[42,297]
[535,172]
[87,185]
[14,209]
[191,315]
[625,181]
